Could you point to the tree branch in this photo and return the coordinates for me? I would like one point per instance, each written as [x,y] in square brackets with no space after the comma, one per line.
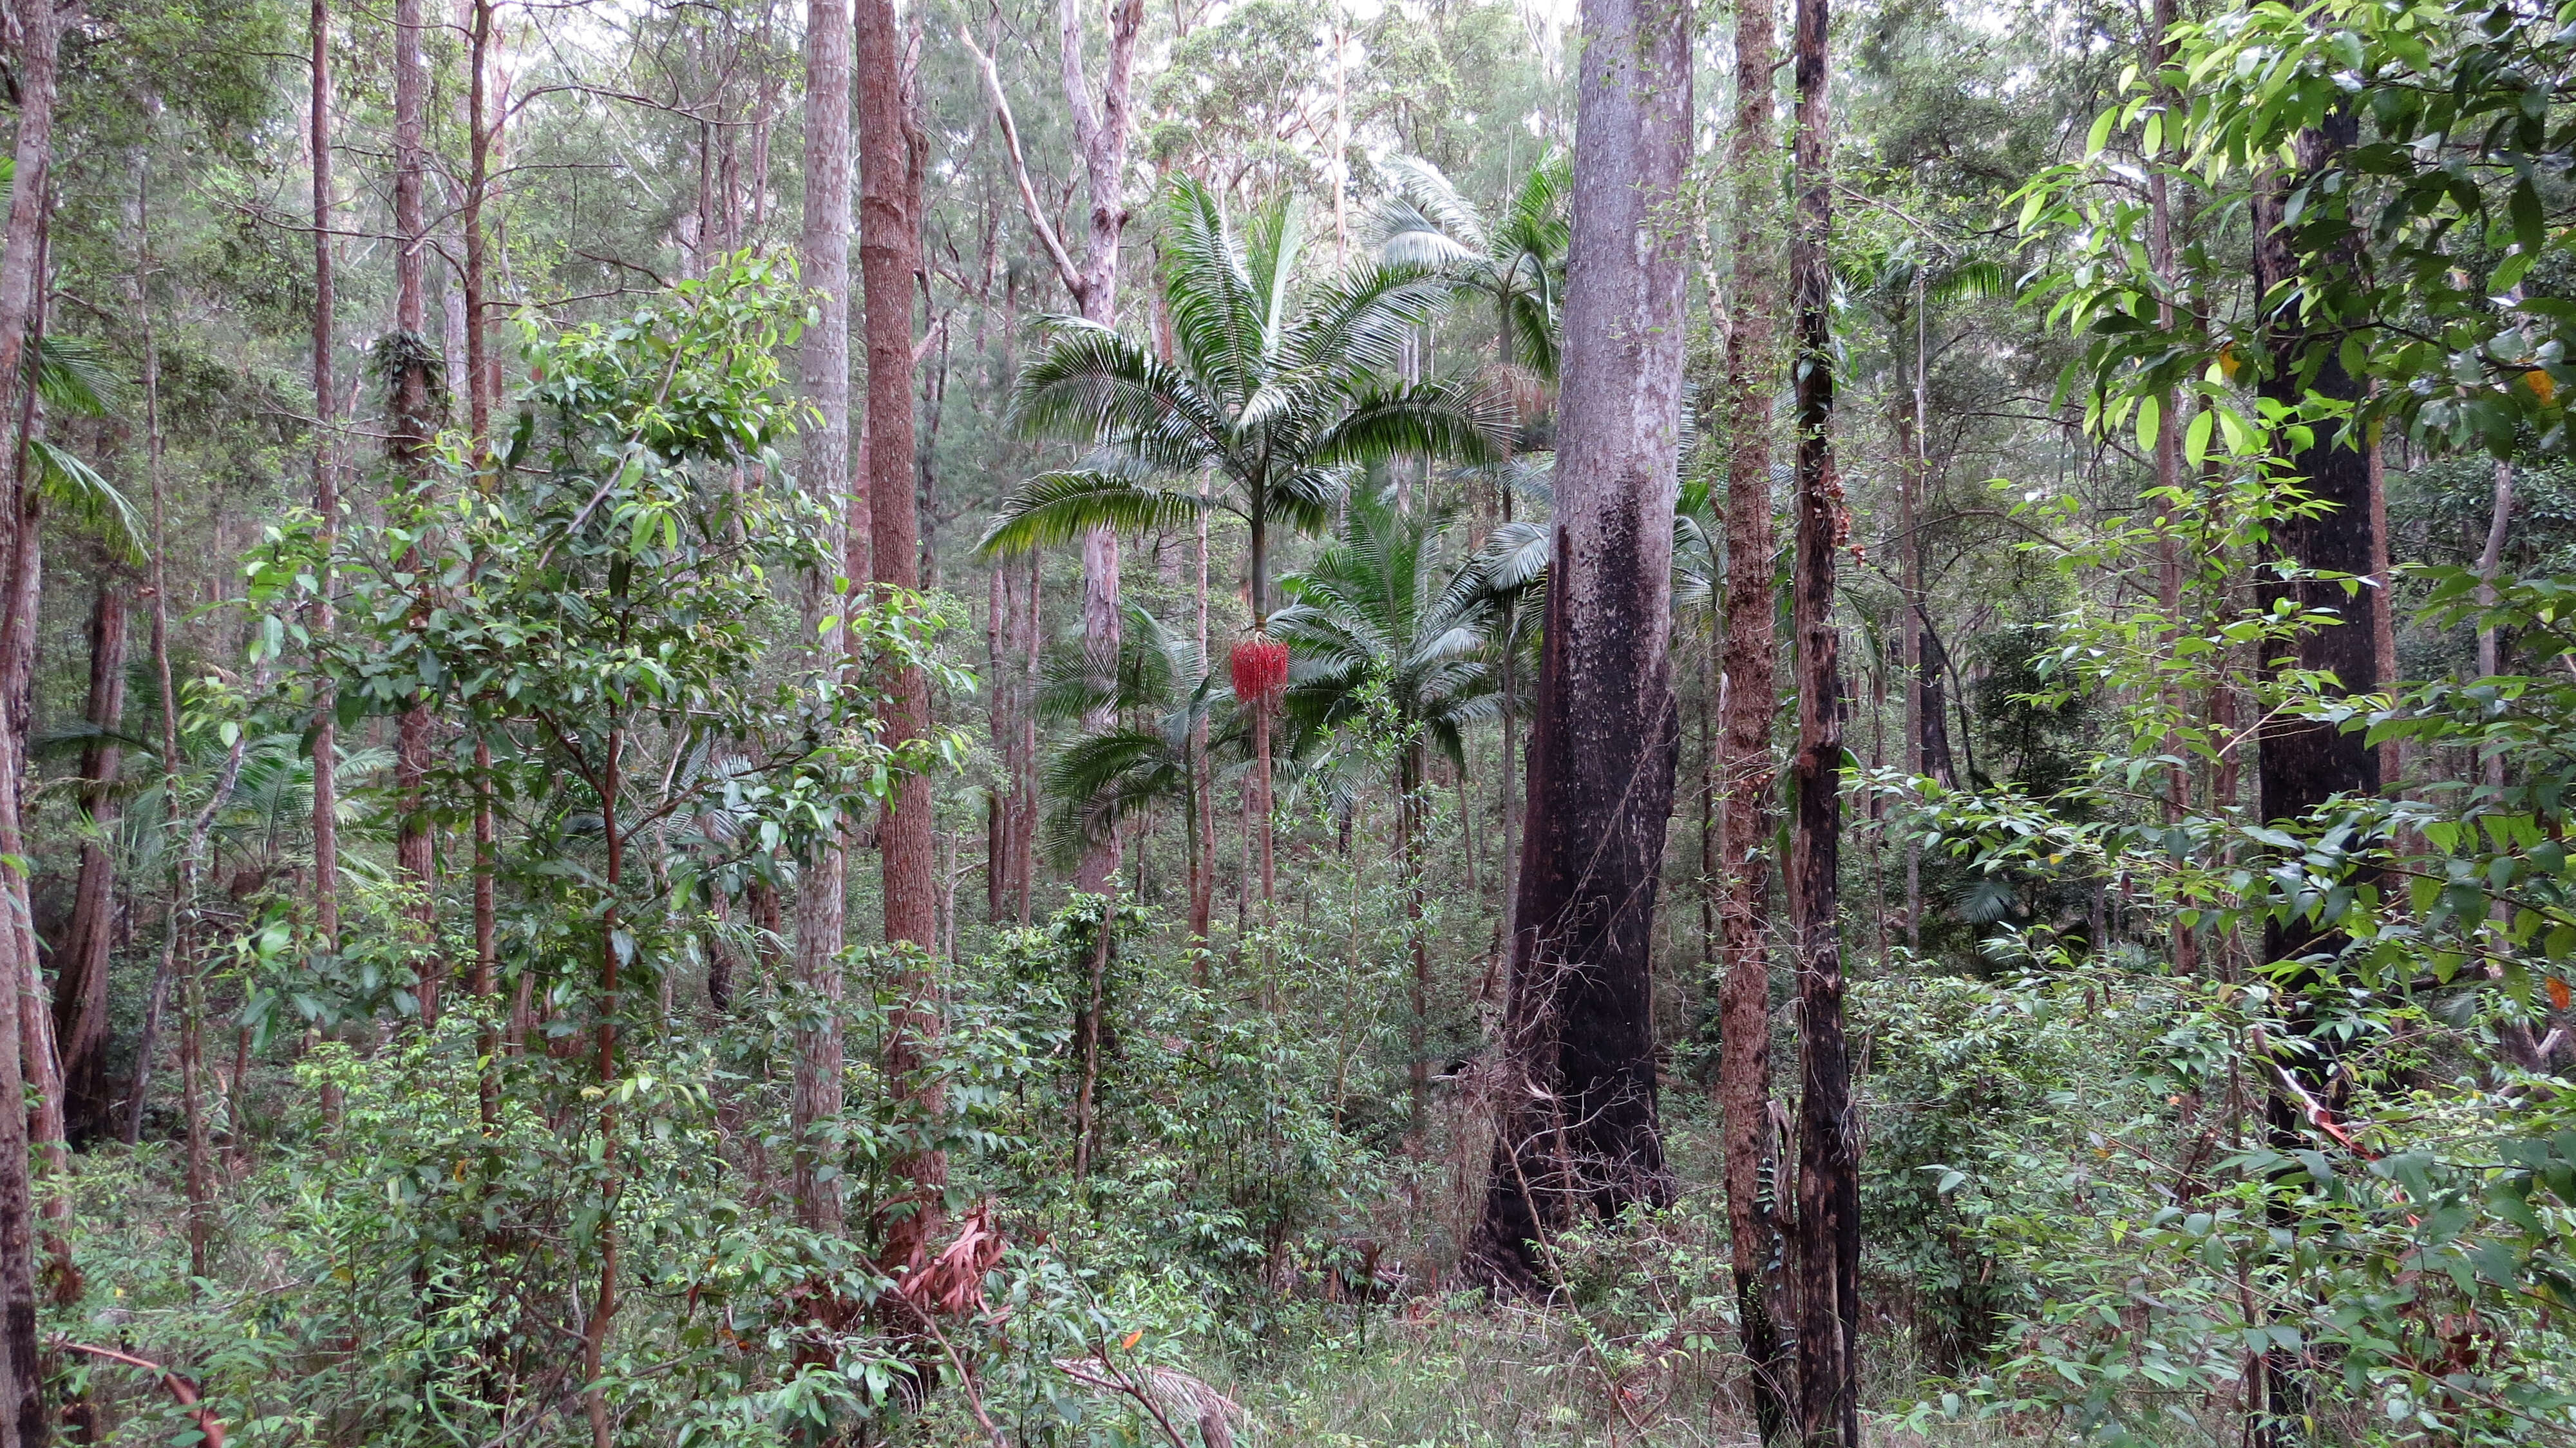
[1064,266]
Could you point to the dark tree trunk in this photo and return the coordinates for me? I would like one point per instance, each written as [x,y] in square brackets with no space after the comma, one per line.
[890,159]
[80,982]
[2303,763]
[1751,697]
[1577,1129]
[1828,1233]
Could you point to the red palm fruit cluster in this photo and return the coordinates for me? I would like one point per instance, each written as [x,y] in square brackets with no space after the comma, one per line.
[1260,666]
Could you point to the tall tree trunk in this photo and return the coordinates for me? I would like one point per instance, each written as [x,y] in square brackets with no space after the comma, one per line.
[2169,430]
[22,1415]
[2302,763]
[1102,133]
[890,158]
[326,492]
[414,422]
[1102,130]
[1408,855]
[1752,697]
[1577,1125]
[824,376]
[1202,767]
[604,1303]
[81,966]
[1828,1235]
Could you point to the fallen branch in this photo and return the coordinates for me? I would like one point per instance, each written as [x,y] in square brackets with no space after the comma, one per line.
[1150,1387]
[184,1390]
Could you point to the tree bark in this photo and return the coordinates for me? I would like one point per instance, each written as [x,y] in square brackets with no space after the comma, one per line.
[823,363]
[415,841]
[326,492]
[1751,698]
[2169,431]
[1577,1128]
[1828,1232]
[890,159]
[2303,763]
[22,1415]
[81,965]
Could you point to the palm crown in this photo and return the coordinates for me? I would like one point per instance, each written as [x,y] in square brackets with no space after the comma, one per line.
[1377,606]
[1277,393]
[1514,262]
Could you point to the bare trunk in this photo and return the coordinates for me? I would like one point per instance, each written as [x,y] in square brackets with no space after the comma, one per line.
[890,159]
[1202,768]
[2169,430]
[80,990]
[824,377]
[22,1415]
[1744,990]
[2303,763]
[1577,1132]
[1086,1035]
[1024,775]
[415,840]
[1828,1231]
[603,1306]
[199,1175]
[326,493]
[1408,855]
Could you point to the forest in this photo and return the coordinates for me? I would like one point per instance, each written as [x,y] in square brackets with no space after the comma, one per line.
[1364,723]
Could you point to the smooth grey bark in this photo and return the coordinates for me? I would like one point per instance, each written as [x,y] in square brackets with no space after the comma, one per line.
[823,375]
[1577,1130]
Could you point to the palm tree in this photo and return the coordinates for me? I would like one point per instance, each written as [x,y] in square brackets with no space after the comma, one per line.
[1378,623]
[1277,394]
[1514,262]
[1165,689]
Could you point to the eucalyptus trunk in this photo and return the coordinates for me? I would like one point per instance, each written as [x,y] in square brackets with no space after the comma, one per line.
[326,490]
[2168,459]
[823,374]
[22,1414]
[1751,698]
[414,423]
[1577,1133]
[890,160]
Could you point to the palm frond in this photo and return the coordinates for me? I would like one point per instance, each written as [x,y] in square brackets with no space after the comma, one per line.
[73,374]
[75,489]
[1057,507]
[1971,281]
[1093,385]
[1514,557]
[1356,323]
[1427,191]
[1469,421]
[1217,317]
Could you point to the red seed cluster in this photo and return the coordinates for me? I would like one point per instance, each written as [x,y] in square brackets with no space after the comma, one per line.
[1260,667]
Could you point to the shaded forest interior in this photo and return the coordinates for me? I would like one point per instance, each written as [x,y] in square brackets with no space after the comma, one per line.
[1341,722]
